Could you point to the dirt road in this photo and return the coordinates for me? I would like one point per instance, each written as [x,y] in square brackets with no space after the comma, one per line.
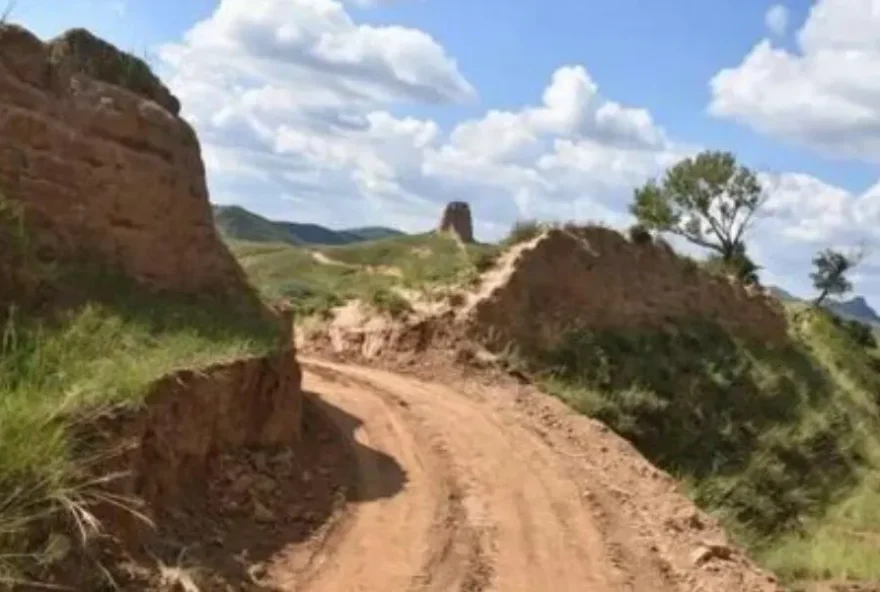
[482,488]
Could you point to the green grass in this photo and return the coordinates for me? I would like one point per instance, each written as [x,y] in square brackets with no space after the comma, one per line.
[87,54]
[102,350]
[285,271]
[524,231]
[425,259]
[369,271]
[783,444]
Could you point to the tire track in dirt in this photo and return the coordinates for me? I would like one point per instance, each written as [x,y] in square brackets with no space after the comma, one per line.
[523,527]
[409,541]
[492,502]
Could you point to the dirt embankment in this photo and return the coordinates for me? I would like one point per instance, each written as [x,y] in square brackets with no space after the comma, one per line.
[92,146]
[207,458]
[563,280]
[595,278]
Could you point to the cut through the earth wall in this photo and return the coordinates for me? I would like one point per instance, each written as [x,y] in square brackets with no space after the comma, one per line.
[594,278]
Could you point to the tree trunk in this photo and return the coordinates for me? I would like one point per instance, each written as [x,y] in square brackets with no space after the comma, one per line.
[820,299]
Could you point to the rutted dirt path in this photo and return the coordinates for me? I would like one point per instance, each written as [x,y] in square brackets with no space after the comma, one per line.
[498,489]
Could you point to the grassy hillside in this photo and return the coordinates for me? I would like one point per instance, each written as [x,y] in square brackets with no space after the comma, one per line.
[105,341]
[317,280]
[237,223]
[782,443]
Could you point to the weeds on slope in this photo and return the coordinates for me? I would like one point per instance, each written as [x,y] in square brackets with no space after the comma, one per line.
[426,259]
[369,271]
[781,443]
[99,352]
[844,541]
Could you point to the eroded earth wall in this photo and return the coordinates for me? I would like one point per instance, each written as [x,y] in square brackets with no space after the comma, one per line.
[595,278]
[91,143]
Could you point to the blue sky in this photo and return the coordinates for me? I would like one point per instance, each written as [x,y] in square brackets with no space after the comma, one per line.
[350,112]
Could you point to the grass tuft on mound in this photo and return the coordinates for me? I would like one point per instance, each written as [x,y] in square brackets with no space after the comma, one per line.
[783,444]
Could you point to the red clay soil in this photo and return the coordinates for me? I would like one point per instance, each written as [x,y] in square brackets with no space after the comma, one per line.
[473,487]
[401,483]
[440,483]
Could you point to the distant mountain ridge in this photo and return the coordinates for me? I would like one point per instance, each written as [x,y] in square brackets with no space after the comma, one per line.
[238,223]
[856,308]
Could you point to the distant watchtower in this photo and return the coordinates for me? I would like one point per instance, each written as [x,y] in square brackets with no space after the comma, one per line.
[457,220]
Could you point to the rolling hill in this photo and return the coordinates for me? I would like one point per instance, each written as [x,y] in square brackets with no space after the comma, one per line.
[237,223]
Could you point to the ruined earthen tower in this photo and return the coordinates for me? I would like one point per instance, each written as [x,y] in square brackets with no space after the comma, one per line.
[457,219]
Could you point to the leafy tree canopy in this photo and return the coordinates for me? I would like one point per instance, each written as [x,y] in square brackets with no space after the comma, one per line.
[707,199]
[830,274]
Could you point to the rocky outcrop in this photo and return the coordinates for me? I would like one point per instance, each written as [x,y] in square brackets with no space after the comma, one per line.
[91,145]
[594,278]
[457,220]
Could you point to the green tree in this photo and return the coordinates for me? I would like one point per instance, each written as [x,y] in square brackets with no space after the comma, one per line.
[707,199]
[829,277]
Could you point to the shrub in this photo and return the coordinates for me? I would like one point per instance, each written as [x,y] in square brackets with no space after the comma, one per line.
[483,260]
[859,332]
[522,231]
[693,387]
[385,300]
[691,267]
[739,266]
[307,300]
[640,235]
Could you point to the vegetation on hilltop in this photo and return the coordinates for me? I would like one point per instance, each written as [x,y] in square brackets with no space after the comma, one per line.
[421,258]
[830,276]
[316,281]
[710,201]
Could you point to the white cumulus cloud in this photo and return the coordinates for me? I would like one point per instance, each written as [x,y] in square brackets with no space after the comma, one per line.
[826,95]
[302,114]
